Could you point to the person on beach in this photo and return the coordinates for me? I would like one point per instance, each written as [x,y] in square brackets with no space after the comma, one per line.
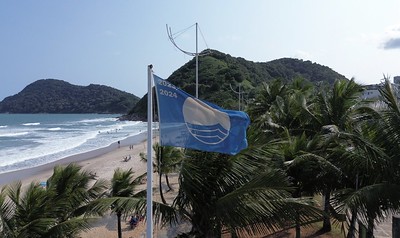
[119,144]
[134,221]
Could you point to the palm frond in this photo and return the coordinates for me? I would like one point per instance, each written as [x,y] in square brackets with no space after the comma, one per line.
[375,200]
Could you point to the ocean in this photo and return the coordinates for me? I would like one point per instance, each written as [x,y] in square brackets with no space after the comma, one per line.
[30,140]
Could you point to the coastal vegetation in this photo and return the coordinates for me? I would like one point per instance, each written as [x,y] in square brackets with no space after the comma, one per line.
[123,185]
[307,139]
[303,142]
[55,211]
[58,96]
[167,159]
[221,74]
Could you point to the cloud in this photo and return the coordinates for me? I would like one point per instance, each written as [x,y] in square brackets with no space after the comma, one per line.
[392,38]
[393,43]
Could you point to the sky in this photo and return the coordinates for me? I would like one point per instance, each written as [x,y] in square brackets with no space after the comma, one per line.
[112,42]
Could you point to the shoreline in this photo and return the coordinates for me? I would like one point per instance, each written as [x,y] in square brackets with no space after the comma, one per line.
[102,162]
[23,174]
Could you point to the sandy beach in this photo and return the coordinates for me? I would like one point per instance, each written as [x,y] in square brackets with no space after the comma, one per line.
[111,156]
[102,162]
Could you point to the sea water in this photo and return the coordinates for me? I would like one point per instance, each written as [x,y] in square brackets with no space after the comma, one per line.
[29,140]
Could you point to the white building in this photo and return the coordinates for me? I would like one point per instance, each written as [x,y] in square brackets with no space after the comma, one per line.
[371,92]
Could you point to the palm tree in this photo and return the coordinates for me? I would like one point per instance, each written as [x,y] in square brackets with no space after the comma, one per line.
[280,107]
[367,161]
[307,128]
[266,97]
[122,185]
[167,159]
[287,117]
[59,210]
[75,189]
[334,112]
[24,214]
[378,179]
[171,159]
[6,213]
[220,193]
[308,171]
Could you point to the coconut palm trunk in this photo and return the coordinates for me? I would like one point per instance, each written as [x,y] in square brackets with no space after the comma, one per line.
[160,188]
[119,214]
[168,184]
[297,218]
[370,228]
[159,157]
[352,226]
[326,226]
[297,228]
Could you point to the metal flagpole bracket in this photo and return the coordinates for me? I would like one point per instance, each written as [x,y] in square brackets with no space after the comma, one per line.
[196,54]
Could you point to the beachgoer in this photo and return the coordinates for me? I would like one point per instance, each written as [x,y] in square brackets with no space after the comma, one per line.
[134,221]
[119,144]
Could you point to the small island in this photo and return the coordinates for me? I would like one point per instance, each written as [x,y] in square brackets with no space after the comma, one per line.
[58,96]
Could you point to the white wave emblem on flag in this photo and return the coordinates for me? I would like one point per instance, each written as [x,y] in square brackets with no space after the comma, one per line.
[206,124]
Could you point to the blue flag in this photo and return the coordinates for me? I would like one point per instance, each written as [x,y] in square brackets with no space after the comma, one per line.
[188,122]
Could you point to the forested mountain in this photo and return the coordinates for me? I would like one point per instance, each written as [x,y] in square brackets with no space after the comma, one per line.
[58,96]
[220,74]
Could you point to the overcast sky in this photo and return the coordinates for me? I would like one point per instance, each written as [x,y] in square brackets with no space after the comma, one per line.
[112,42]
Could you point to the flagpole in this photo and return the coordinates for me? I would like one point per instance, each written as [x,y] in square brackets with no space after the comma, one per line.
[197,67]
[149,200]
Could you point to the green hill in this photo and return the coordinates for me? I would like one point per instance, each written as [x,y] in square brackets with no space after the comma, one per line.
[219,73]
[57,96]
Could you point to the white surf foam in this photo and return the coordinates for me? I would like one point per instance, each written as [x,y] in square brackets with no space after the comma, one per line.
[13,134]
[31,124]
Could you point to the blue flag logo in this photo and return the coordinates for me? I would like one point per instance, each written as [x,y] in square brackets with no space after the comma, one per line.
[192,123]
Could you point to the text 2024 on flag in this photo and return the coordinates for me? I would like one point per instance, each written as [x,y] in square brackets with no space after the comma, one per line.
[188,122]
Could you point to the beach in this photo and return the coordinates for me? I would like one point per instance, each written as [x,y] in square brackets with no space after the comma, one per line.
[102,162]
